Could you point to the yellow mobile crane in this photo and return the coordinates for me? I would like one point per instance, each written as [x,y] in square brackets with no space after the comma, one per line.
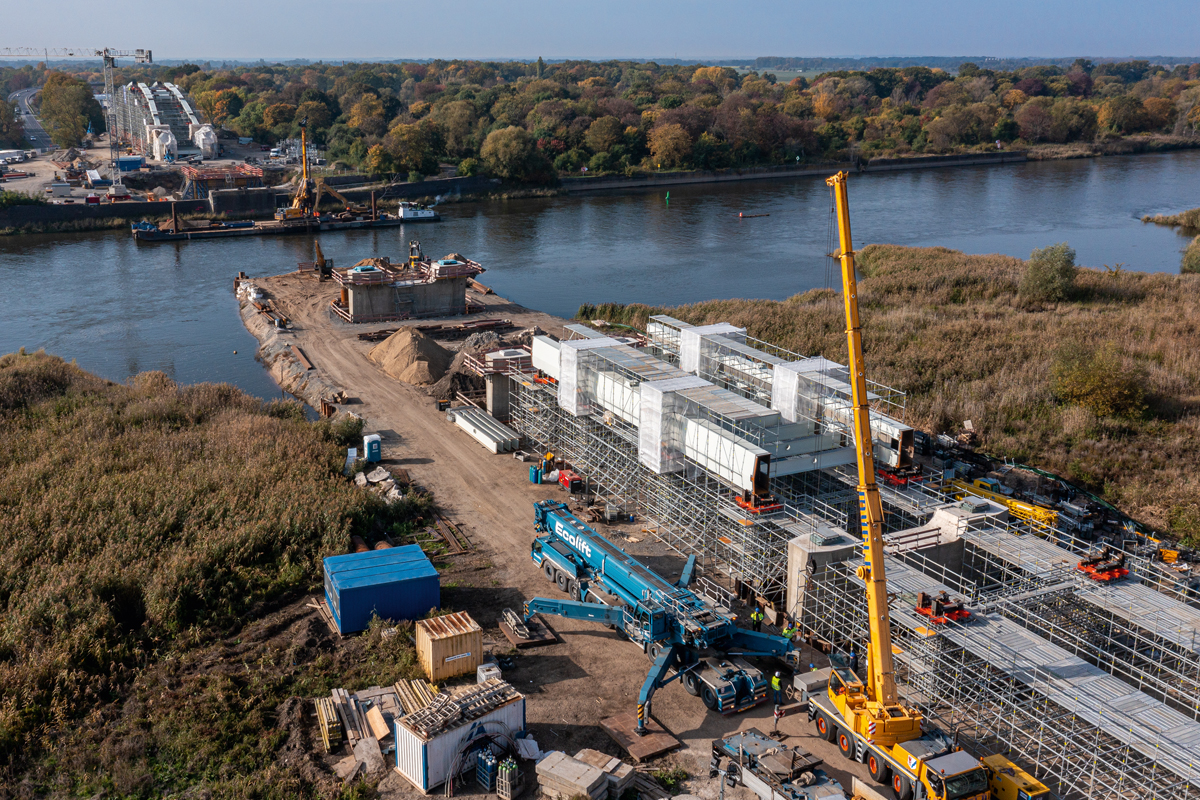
[302,201]
[869,723]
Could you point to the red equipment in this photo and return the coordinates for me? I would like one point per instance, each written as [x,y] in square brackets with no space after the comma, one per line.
[941,609]
[758,504]
[1103,567]
[899,477]
[570,481]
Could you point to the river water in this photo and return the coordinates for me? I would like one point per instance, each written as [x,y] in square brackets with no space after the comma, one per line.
[119,307]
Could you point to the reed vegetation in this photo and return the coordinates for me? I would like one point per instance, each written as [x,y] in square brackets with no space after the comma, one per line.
[1036,379]
[1185,219]
[152,534]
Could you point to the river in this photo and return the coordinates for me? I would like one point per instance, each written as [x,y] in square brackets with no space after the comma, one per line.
[119,307]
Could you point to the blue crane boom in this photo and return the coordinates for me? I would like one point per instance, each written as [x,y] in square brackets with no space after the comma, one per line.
[678,629]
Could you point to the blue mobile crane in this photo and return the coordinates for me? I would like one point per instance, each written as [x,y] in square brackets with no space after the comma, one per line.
[686,636]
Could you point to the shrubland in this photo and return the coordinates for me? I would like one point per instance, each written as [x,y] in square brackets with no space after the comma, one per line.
[1101,386]
[158,541]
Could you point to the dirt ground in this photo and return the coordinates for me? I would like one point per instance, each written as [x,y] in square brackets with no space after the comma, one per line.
[591,674]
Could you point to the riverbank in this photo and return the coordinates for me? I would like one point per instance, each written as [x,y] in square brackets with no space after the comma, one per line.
[952,332]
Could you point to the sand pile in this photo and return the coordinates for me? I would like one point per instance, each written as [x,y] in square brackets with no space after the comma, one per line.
[410,356]
[457,379]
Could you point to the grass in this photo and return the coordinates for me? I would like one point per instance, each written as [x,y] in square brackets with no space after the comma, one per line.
[1189,219]
[155,536]
[951,330]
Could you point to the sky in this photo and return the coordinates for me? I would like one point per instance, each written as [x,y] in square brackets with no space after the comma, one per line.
[699,29]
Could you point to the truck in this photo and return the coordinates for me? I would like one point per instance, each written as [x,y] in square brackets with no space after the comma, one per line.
[687,636]
[771,769]
[869,722]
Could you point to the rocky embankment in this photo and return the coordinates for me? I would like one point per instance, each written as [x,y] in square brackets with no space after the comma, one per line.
[277,351]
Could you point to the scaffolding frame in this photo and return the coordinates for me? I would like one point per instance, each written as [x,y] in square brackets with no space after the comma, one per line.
[987,708]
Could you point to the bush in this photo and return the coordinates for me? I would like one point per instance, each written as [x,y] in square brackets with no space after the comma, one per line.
[415,177]
[468,167]
[1049,274]
[9,198]
[1099,380]
[1191,258]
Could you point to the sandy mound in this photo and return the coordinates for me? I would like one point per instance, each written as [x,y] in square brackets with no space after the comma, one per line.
[410,356]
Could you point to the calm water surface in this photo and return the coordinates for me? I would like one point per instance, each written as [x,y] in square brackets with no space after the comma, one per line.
[120,308]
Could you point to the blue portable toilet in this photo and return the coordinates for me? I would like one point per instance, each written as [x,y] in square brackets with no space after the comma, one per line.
[396,583]
[373,447]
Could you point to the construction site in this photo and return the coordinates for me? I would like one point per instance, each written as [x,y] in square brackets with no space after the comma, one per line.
[998,623]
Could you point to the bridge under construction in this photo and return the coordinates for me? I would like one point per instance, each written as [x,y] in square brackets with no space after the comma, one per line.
[741,452]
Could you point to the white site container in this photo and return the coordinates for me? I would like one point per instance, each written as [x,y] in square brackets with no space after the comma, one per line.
[545,355]
[427,762]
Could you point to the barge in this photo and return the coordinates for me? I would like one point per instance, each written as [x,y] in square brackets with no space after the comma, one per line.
[182,230]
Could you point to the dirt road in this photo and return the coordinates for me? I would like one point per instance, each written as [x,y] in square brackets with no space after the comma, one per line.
[591,674]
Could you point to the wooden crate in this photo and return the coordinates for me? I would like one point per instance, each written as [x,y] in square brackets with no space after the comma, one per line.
[449,645]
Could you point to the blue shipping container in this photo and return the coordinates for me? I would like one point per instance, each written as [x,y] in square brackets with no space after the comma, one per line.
[396,583]
[130,163]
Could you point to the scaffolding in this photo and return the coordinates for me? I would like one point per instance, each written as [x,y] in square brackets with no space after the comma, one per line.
[1096,686]
[999,688]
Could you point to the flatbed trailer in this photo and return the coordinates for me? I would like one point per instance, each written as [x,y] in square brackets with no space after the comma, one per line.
[772,769]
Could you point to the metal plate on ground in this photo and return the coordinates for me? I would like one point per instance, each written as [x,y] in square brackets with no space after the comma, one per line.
[540,634]
[655,743]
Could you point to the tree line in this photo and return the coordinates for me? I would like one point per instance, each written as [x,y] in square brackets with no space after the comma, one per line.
[533,121]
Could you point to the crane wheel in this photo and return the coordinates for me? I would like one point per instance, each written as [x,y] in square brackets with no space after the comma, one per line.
[845,743]
[689,683]
[880,771]
[901,788]
[825,730]
[548,568]
[562,580]
[709,697]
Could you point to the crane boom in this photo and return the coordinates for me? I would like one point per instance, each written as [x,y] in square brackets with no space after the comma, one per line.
[881,680]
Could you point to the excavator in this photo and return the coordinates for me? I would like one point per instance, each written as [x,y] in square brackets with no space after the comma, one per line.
[324,188]
[302,202]
[868,722]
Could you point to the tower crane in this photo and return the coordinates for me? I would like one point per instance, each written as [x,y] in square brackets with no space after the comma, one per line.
[109,56]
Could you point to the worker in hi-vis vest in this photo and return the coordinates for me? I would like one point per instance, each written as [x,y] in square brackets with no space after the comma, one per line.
[777,688]
[756,618]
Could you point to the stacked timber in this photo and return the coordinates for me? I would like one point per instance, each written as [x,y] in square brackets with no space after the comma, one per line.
[329,723]
[619,774]
[415,694]
[562,777]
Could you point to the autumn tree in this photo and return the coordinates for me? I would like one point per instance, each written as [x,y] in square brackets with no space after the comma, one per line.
[367,116]
[12,130]
[317,114]
[511,153]
[1123,114]
[414,147]
[603,133]
[670,145]
[457,122]
[68,108]
[279,114]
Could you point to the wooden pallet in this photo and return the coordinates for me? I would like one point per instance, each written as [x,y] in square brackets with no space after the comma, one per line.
[446,710]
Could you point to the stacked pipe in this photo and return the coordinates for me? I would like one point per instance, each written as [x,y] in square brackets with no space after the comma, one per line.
[485,429]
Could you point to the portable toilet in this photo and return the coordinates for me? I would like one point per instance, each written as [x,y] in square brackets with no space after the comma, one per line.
[373,447]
